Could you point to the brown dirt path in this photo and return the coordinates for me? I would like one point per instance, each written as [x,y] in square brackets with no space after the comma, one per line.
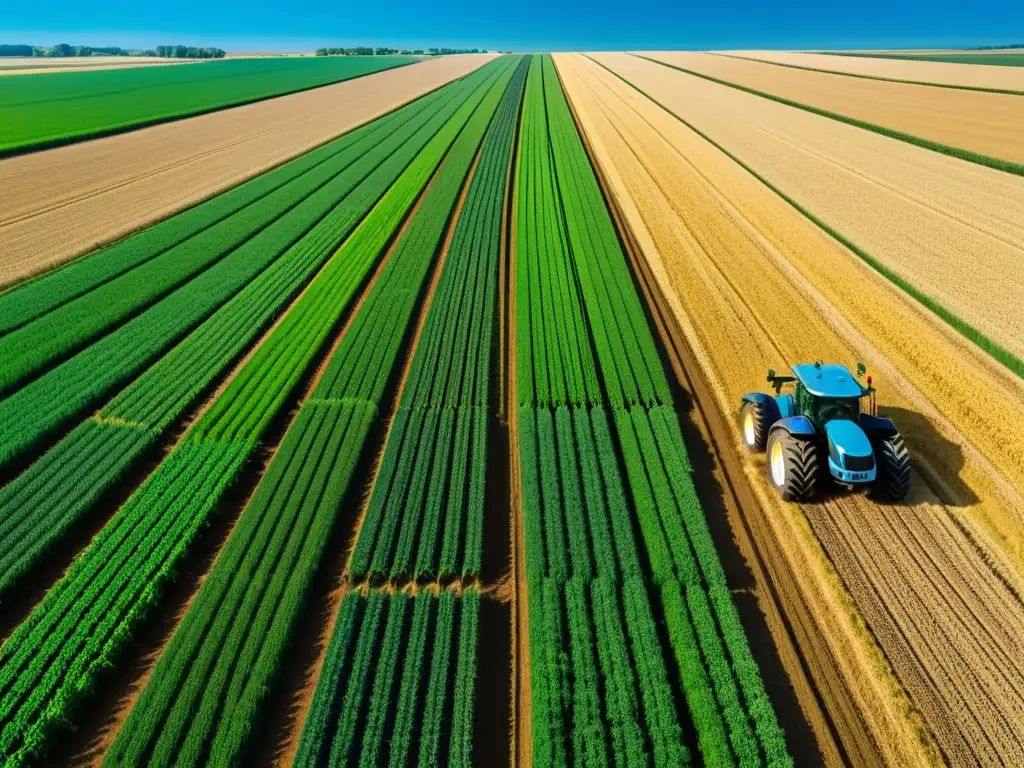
[943,73]
[738,258]
[63,202]
[951,228]
[987,123]
[31,65]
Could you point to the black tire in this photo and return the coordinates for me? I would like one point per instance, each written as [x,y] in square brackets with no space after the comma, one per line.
[893,461]
[761,420]
[800,466]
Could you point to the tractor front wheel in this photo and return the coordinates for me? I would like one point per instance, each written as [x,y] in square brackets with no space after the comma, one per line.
[755,421]
[792,465]
[893,461]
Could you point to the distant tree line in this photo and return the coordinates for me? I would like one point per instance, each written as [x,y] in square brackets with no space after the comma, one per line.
[367,51]
[63,50]
[186,52]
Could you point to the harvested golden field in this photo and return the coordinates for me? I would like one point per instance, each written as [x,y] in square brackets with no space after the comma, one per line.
[28,65]
[63,202]
[950,228]
[986,123]
[940,72]
[754,284]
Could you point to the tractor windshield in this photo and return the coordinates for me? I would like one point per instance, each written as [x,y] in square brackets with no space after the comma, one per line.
[827,409]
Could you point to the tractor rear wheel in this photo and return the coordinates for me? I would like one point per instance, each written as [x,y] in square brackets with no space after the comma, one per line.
[793,466]
[755,421]
[893,461]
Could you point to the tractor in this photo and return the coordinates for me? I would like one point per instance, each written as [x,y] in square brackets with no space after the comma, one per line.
[827,422]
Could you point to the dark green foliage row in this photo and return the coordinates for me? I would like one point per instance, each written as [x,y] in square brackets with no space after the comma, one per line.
[255,235]
[253,229]
[386,694]
[42,504]
[205,696]
[642,533]
[425,517]
[57,656]
[301,241]
[62,107]
[29,300]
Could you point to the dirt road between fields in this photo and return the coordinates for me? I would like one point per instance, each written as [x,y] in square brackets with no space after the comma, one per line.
[755,285]
[63,202]
[943,73]
[987,123]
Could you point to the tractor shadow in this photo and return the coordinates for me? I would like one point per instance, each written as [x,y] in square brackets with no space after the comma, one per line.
[934,459]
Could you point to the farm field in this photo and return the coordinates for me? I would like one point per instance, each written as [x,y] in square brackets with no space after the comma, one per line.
[68,201]
[970,75]
[975,121]
[943,226]
[395,421]
[65,107]
[731,254]
[1002,58]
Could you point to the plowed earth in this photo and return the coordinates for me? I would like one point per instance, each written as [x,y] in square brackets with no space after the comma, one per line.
[987,123]
[757,285]
[60,203]
[943,73]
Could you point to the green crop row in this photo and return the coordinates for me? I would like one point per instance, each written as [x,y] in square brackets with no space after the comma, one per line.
[556,367]
[27,301]
[425,516]
[207,692]
[56,656]
[388,677]
[258,232]
[576,502]
[58,108]
[41,505]
[50,401]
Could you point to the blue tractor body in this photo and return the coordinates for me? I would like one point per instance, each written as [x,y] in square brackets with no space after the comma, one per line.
[827,423]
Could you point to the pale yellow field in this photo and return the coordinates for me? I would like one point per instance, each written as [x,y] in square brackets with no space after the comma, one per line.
[951,228]
[758,285]
[987,123]
[30,65]
[944,73]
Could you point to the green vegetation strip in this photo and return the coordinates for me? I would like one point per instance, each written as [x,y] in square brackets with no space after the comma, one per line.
[57,656]
[223,659]
[871,77]
[611,555]
[962,154]
[398,684]
[965,329]
[426,510]
[45,404]
[46,110]
[248,234]
[40,506]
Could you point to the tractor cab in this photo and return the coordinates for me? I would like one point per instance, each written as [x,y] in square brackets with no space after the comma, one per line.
[825,420]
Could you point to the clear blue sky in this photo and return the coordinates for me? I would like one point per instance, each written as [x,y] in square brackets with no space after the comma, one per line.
[535,25]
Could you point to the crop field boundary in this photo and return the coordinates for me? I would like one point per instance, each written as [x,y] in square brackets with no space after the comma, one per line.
[63,141]
[995,163]
[823,696]
[965,329]
[1003,91]
[95,250]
